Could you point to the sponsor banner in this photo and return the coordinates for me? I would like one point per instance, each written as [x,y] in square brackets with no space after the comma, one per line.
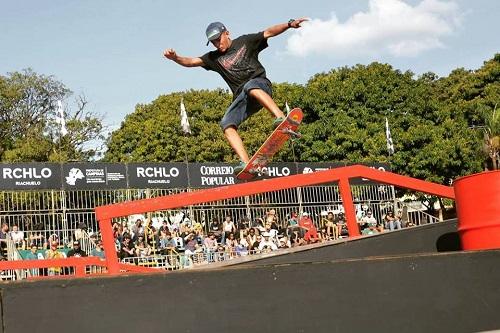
[221,174]
[157,175]
[211,174]
[305,167]
[89,176]
[30,176]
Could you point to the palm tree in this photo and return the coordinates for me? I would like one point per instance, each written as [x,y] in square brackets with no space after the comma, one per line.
[492,140]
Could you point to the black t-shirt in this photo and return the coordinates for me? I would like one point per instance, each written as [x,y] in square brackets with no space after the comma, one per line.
[240,63]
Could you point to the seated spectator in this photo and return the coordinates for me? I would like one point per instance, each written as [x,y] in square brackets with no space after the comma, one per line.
[142,248]
[267,244]
[216,229]
[328,222]
[271,229]
[211,246]
[311,233]
[391,222]
[284,243]
[369,221]
[255,246]
[251,237]
[168,244]
[99,250]
[54,253]
[231,243]
[17,236]
[127,249]
[242,247]
[76,251]
[32,255]
[340,223]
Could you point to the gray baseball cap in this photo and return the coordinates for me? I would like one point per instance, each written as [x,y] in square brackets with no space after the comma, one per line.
[214,30]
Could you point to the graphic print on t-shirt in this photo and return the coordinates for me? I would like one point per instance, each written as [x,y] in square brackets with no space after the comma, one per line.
[230,60]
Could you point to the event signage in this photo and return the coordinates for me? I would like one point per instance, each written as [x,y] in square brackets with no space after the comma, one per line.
[30,176]
[87,176]
[157,175]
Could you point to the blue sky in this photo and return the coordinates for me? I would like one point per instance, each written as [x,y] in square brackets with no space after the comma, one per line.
[111,51]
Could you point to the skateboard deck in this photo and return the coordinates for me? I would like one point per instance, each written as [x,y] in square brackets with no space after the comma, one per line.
[272,145]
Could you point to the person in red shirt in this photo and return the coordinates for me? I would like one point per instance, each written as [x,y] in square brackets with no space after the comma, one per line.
[311,233]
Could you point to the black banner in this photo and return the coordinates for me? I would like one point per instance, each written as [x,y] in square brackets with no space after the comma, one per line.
[89,176]
[30,176]
[157,175]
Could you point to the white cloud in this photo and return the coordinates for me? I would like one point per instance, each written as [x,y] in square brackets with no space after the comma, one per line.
[389,26]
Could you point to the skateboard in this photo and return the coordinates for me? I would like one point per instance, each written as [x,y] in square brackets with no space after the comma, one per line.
[271,146]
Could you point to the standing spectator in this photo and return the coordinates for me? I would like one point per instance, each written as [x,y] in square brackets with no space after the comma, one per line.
[17,236]
[137,230]
[4,231]
[311,233]
[76,251]
[228,227]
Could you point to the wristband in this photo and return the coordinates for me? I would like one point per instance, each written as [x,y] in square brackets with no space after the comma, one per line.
[290,22]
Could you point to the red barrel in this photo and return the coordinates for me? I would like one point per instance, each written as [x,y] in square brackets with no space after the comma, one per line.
[478,207]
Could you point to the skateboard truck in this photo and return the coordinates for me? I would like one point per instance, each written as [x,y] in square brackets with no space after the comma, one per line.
[291,133]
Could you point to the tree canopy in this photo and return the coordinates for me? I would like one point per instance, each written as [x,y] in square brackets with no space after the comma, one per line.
[29,131]
[433,121]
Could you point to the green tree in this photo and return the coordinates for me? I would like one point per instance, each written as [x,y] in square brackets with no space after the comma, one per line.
[28,129]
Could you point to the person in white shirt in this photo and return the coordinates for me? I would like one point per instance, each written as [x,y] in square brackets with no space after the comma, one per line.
[267,244]
[16,235]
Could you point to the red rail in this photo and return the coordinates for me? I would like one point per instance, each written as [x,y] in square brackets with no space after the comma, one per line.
[105,214]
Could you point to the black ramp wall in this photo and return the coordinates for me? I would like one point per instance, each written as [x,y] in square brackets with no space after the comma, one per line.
[450,292]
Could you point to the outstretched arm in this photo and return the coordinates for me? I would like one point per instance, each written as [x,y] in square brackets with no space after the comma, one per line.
[280,28]
[183,61]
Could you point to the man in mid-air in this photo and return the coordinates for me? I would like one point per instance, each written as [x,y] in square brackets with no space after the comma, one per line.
[238,63]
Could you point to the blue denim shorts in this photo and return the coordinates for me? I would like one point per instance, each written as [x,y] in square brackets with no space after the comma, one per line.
[244,105]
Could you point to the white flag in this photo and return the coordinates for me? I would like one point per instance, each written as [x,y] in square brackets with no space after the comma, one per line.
[184,119]
[390,145]
[287,108]
[60,118]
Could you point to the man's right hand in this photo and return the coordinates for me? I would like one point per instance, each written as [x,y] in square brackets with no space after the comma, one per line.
[170,54]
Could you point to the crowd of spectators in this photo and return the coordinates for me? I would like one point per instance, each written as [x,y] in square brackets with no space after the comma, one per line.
[181,236]
[238,238]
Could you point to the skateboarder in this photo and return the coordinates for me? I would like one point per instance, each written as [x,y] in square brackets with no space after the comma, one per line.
[238,64]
